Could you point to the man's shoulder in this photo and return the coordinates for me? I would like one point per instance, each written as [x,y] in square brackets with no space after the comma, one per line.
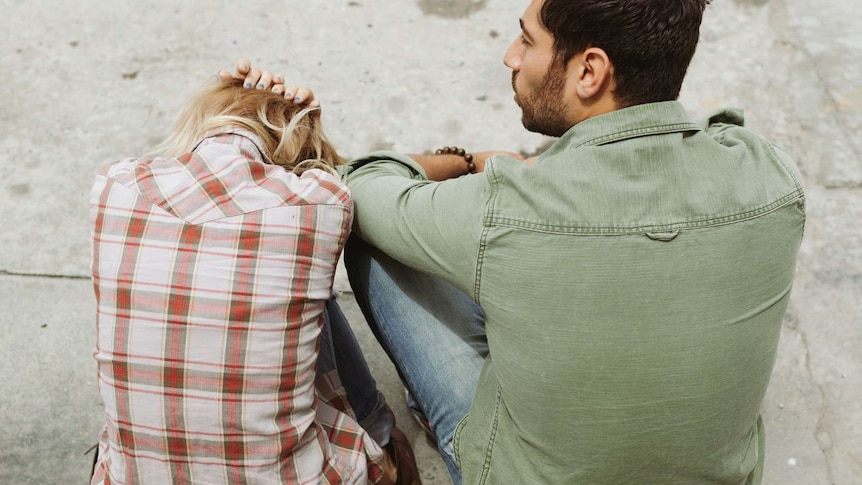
[727,127]
[657,171]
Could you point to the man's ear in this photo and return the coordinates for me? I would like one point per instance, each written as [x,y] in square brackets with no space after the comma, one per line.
[594,71]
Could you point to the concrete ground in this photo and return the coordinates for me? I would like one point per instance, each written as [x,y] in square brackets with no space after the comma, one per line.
[91,81]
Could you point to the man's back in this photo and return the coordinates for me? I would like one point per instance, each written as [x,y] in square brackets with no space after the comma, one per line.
[633,281]
[662,274]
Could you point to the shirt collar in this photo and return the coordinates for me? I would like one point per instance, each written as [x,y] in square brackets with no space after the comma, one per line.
[244,139]
[635,121]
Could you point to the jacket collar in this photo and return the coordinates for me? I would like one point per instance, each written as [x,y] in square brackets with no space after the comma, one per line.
[635,121]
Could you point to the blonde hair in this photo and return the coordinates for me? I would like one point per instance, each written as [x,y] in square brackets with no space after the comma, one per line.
[292,136]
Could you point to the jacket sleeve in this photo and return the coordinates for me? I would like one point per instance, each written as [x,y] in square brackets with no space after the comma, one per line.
[435,227]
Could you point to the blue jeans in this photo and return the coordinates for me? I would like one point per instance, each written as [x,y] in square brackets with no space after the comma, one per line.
[339,350]
[433,332]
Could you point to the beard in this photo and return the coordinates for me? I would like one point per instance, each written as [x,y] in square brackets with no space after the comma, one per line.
[543,111]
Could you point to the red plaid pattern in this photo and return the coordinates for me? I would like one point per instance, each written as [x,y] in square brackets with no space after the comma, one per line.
[211,272]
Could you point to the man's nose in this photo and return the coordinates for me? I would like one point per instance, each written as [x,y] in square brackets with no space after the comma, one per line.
[512,57]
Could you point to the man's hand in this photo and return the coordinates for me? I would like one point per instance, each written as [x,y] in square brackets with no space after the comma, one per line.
[479,158]
[440,167]
[255,78]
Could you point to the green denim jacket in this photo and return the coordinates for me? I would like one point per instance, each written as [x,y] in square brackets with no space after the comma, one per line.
[634,281]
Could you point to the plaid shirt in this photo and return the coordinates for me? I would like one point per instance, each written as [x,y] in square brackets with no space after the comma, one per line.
[211,272]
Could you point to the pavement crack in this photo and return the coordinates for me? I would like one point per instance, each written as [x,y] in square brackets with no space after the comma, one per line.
[788,35]
[822,433]
[21,274]
[839,186]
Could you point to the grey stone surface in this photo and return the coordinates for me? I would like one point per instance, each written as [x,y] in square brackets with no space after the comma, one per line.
[49,404]
[92,81]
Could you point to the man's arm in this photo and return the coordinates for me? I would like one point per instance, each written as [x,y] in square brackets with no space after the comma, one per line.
[444,167]
[435,227]
[437,167]
[417,209]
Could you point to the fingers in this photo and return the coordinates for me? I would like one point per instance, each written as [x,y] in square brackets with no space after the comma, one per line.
[252,77]
[303,96]
[255,78]
[243,66]
[265,81]
[262,80]
[290,92]
[516,156]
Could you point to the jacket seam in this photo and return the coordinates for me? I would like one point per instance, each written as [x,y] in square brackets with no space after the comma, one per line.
[456,439]
[784,166]
[483,238]
[634,132]
[486,466]
[630,230]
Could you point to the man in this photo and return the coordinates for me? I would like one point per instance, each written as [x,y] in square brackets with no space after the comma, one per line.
[610,313]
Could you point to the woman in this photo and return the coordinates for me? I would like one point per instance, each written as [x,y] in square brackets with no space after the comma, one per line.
[213,264]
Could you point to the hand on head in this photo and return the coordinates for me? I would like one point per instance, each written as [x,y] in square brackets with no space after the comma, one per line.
[257,79]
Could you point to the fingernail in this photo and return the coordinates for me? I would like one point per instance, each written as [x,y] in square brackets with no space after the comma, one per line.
[260,86]
[297,98]
[248,85]
[288,94]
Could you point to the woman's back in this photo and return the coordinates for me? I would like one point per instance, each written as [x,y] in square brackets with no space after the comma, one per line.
[211,272]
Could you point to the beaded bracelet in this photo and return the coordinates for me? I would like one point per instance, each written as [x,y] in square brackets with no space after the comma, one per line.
[471,167]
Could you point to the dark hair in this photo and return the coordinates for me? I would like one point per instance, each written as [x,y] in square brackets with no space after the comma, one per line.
[650,42]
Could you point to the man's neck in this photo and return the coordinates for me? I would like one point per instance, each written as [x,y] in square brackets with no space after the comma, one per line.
[603,105]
